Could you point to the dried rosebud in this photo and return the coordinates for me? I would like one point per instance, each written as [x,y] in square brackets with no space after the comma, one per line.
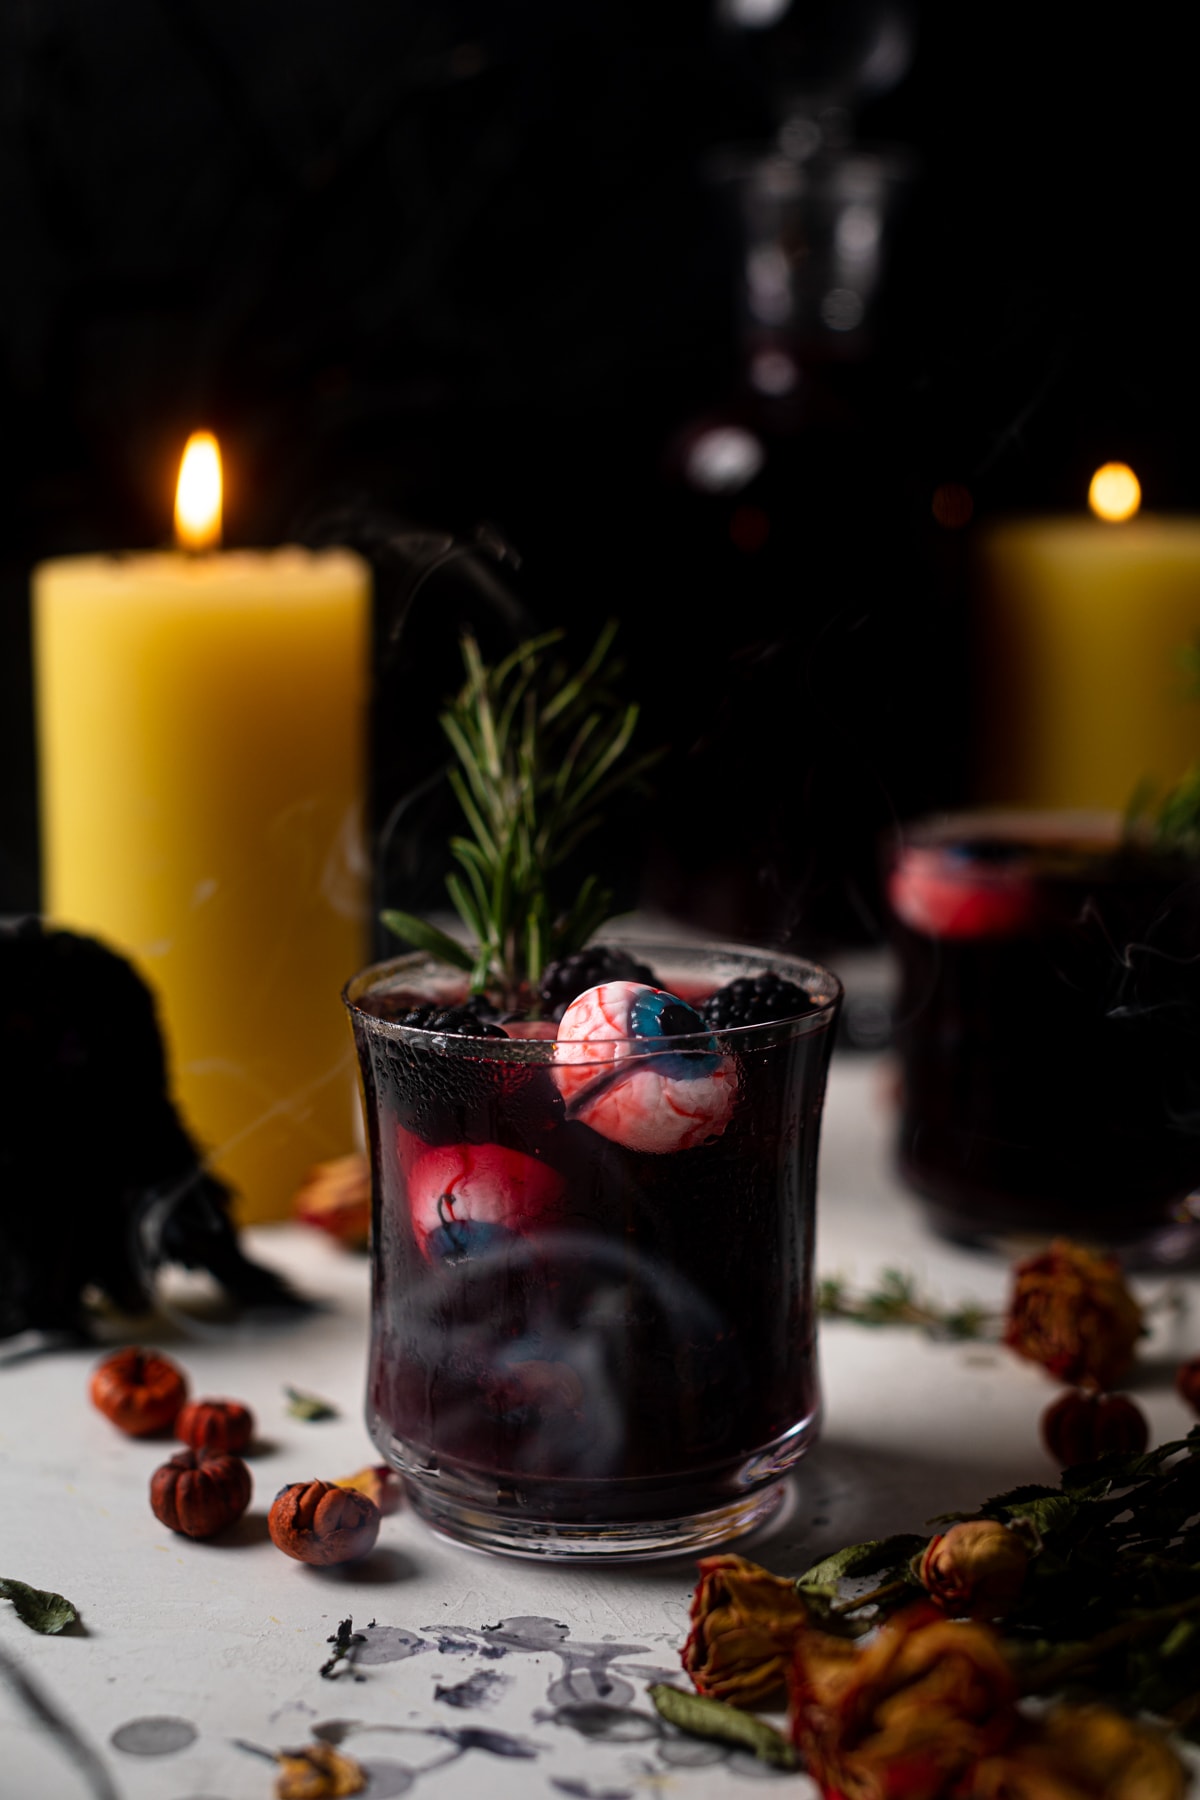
[336,1198]
[1187,1383]
[1084,1425]
[318,1772]
[215,1425]
[909,1715]
[199,1495]
[744,1626]
[1081,1753]
[1072,1312]
[139,1390]
[976,1569]
[317,1522]
[380,1484]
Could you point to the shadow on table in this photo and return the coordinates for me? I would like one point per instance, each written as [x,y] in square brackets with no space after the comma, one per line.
[843,1493]
[383,1566]
[851,1493]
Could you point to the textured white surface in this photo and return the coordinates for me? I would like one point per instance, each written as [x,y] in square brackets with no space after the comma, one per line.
[230,1635]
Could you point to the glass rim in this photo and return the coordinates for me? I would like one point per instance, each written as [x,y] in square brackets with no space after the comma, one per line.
[1035,827]
[825,1002]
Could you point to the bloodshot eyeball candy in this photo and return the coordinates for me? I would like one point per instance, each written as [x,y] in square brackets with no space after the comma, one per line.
[617,1075]
[467,1197]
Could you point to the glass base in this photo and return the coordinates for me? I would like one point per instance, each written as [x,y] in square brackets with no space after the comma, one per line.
[610,1520]
[545,1540]
[1164,1236]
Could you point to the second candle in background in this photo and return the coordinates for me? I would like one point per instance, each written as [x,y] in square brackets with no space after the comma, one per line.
[1081,625]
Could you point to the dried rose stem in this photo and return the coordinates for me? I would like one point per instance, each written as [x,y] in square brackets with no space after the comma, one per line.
[1050,1674]
[872,1599]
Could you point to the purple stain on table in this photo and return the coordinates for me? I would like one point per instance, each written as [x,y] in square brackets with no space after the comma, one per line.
[495,1743]
[334,1731]
[691,1753]
[157,1735]
[607,1724]
[583,1790]
[386,1780]
[527,1631]
[483,1688]
[754,1768]
[586,1668]
[389,1644]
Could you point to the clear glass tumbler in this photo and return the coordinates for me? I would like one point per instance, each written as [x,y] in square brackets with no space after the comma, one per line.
[593,1322]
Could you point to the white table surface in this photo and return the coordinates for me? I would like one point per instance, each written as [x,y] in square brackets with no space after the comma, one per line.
[228,1637]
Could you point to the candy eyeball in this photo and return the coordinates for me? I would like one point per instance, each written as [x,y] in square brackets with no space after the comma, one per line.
[465,1198]
[618,1071]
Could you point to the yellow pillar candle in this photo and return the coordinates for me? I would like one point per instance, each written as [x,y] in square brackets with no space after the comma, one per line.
[201,732]
[1082,622]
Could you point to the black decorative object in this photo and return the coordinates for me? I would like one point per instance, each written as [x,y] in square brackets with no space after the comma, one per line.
[100,1184]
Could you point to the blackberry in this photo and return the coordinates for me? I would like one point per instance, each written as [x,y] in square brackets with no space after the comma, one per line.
[455,1021]
[754,1000]
[572,975]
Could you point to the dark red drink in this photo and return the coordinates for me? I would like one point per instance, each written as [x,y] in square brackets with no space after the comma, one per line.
[1048,1026]
[593,1326]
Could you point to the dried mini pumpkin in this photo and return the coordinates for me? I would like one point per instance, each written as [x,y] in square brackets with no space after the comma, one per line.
[141,1391]
[216,1425]
[318,1523]
[1187,1383]
[199,1495]
[1083,1424]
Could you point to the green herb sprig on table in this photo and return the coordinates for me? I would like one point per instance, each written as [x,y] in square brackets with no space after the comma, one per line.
[896,1300]
[539,752]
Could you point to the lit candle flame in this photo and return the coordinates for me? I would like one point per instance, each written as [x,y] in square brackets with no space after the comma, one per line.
[1115,493]
[198,496]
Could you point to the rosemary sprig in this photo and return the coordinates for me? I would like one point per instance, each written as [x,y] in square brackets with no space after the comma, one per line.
[896,1300]
[539,752]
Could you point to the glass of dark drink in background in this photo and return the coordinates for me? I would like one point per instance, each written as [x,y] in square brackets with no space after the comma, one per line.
[593,1320]
[1048,1028]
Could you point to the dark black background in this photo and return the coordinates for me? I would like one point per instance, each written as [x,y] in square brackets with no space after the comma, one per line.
[433,263]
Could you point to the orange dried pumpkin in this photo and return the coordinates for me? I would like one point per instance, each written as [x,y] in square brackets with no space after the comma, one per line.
[216,1425]
[319,1523]
[141,1391]
[199,1495]
[1082,1425]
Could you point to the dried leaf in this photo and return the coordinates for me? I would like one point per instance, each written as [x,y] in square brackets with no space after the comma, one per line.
[318,1772]
[891,1554]
[705,1718]
[37,1607]
[379,1483]
[308,1407]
